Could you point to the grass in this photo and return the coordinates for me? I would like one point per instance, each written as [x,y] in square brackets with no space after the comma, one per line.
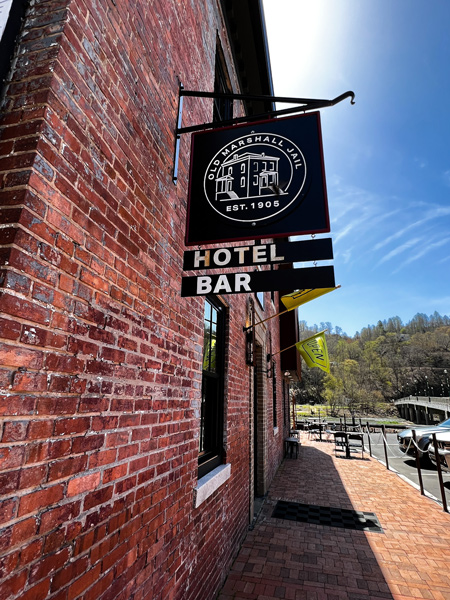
[305,411]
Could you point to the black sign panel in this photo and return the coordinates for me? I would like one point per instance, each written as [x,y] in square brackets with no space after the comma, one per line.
[258,254]
[258,281]
[263,180]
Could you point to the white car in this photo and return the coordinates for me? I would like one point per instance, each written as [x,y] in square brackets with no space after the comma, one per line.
[443,444]
[423,438]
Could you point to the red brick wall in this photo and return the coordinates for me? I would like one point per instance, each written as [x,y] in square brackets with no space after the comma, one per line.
[100,356]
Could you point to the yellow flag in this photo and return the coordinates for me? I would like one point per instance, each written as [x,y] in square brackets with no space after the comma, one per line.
[300,297]
[314,351]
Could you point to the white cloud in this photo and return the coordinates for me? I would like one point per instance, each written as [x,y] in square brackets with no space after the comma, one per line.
[406,246]
[422,252]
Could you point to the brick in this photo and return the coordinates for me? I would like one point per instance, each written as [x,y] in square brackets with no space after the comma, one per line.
[16,281]
[63,363]
[53,518]
[11,457]
[62,405]
[37,336]
[9,481]
[66,467]
[69,573]
[37,592]
[19,307]
[72,425]
[15,356]
[115,473]
[32,267]
[41,499]
[86,483]
[8,509]
[16,405]
[48,565]
[98,497]
[83,444]
[94,405]
[23,531]
[54,540]
[32,477]
[40,429]
[29,382]
[83,582]
[99,459]
[59,383]
[14,431]
[13,585]
[30,552]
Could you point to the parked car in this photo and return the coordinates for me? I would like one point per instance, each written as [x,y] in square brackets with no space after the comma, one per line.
[443,444]
[423,434]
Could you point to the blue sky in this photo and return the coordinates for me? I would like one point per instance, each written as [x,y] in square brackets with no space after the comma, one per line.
[387,158]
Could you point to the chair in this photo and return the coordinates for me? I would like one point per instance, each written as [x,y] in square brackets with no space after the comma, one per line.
[356,442]
[340,443]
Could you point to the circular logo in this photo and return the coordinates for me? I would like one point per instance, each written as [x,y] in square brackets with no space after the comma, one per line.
[255,177]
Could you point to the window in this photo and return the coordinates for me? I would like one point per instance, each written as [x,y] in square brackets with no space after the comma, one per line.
[223,108]
[211,416]
[260,296]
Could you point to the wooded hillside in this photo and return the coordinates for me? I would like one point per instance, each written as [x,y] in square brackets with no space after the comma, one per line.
[383,362]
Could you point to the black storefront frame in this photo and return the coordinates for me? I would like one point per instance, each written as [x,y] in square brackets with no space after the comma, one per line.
[212,407]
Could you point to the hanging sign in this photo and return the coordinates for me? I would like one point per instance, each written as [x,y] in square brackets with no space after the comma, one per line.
[5,7]
[263,180]
[258,281]
[258,254]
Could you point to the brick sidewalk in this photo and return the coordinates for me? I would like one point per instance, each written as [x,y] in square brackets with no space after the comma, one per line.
[409,560]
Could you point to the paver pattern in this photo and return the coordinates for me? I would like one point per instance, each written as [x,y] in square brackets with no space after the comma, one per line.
[410,560]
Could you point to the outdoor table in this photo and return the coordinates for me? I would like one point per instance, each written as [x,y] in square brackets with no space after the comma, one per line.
[291,443]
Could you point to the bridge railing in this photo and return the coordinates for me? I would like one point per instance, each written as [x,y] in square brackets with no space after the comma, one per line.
[423,400]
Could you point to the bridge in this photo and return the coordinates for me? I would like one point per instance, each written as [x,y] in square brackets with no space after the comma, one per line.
[424,409]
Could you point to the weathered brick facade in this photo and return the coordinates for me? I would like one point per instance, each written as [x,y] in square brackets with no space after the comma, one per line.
[101,359]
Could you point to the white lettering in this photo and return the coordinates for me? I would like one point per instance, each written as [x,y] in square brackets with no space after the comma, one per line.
[222,285]
[198,259]
[259,254]
[203,285]
[273,253]
[242,280]
[224,261]
[241,252]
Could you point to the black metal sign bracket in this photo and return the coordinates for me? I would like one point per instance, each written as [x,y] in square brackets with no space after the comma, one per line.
[303,105]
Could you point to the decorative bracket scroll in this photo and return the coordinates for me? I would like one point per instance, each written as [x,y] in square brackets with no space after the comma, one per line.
[303,105]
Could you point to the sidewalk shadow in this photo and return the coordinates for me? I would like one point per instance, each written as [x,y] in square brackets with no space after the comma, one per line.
[282,558]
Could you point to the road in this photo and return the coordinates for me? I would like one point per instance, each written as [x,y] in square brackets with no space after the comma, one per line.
[406,465]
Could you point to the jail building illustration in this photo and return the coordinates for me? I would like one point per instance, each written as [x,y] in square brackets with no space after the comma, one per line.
[246,176]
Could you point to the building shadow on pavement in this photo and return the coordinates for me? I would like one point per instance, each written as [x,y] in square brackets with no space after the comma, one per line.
[299,560]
